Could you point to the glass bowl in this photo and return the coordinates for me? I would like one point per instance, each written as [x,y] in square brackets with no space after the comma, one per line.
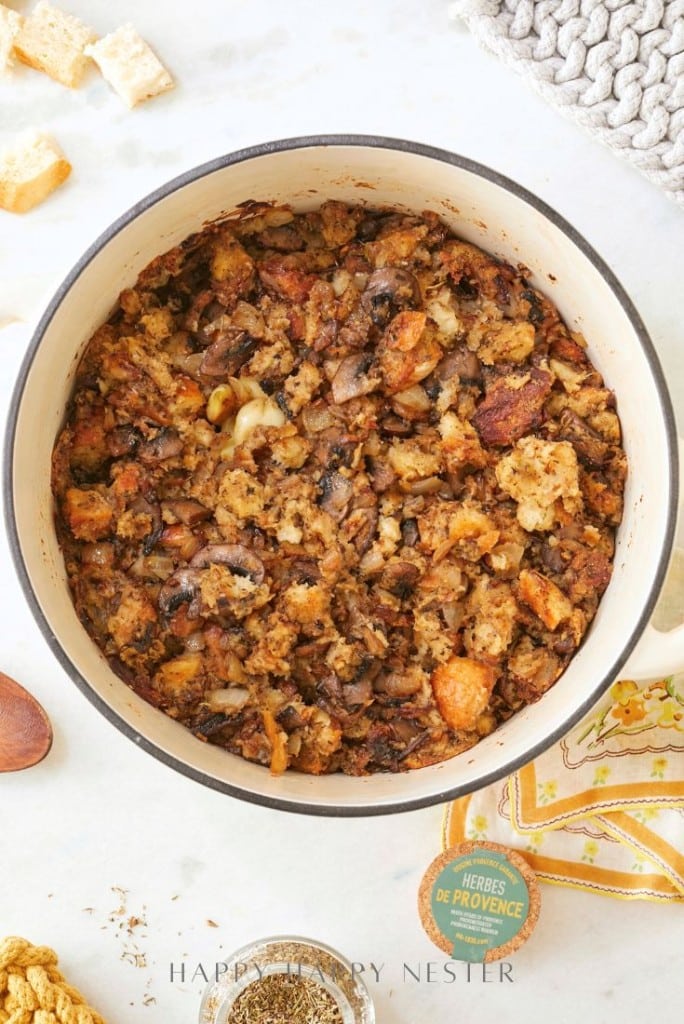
[287,954]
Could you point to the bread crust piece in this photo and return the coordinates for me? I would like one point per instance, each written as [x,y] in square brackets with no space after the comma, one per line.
[52,41]
[129,65]
[29,171]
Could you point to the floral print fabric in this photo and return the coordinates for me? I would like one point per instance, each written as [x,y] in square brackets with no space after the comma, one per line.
[604,808]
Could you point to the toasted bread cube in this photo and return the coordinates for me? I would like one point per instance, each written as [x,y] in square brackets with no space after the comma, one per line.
[88,514]
[180,680]
[29,171]
[462,688]
[460,442]
[546,600]
[10,24]
[130,66]
[54,42]
[506,342]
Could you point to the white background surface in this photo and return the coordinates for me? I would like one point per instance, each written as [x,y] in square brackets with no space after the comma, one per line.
[99,813]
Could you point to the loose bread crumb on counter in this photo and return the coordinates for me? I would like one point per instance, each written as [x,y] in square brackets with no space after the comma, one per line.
[30,170]
[10,24]
[130,66]
[54,42]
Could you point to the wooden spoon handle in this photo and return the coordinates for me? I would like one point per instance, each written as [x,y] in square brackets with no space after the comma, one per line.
[25,730]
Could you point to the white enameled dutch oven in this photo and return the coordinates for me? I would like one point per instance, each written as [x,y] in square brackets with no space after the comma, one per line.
[488,210]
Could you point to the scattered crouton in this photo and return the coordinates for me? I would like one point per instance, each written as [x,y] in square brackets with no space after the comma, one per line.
[10,24]
[130,66]
[54,42]
[29,171]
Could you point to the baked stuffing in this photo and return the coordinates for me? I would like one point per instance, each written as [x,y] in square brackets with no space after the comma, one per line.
[337,490]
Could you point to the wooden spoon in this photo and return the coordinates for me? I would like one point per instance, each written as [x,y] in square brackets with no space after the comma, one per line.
[25,730]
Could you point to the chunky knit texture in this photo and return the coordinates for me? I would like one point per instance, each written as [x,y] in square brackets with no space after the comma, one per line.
[34,991]
[615,67]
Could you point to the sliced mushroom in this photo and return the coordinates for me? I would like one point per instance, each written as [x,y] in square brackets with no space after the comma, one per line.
[381,473]
[289,718]
[365,522]
[186,511]
[398,685]
[166,445]
[123,440]
[591,449]
[211,725]
[413,744]
[389,290]
[352,378]
[231,350]
[239,559]
[553,557]
[409,532]
[302,570]
[213,311]
[196,312]
[395,426]
[359,692]
[189,364]
[400,579]
[462,363]
[336,493]
[181,588]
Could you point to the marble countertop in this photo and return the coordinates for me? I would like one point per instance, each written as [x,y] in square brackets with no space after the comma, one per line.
[100,816]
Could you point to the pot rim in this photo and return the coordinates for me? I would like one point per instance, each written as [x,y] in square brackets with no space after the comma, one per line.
[191,176]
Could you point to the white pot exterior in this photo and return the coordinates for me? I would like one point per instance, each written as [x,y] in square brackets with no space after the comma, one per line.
[486,210]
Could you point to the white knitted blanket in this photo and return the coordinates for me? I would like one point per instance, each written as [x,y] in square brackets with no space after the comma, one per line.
[615,67]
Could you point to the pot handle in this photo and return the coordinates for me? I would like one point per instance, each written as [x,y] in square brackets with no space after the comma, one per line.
[656,655]
[659,654]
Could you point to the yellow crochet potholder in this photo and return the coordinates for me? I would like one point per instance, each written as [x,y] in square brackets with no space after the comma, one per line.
[34,991]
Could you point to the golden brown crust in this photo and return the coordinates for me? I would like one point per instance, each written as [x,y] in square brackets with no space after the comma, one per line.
[337,490]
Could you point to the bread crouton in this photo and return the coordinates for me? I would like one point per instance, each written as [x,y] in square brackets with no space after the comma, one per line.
[460,443]
[88,514]
[128,64]
[54,42]
[506,342]
[29,171]
[546,600]
[462,688]
[538,474]
[10,24]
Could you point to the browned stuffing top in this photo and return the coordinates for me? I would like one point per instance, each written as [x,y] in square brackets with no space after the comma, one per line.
[337,490]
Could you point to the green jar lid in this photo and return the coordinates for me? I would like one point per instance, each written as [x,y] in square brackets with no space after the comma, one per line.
[479,901]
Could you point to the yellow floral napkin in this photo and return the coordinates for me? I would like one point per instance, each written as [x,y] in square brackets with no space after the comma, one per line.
[604,808]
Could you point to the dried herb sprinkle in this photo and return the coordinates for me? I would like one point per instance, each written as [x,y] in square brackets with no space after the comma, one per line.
[285,999]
